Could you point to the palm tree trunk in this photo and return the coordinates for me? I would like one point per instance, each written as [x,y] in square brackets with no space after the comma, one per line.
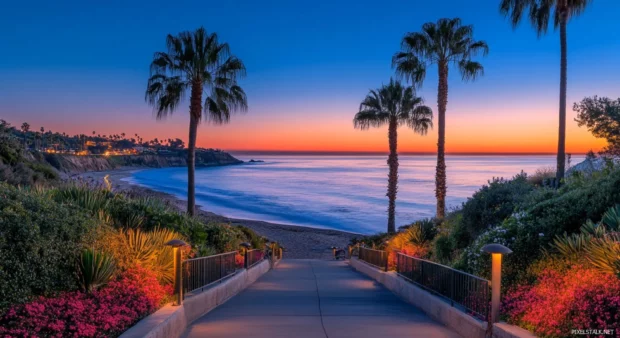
[392,176]
[562,125]
[440,176]
[195,109]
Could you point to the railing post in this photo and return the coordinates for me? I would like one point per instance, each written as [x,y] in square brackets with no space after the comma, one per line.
[386,261]
[496,251]
[221,267]
[451,287]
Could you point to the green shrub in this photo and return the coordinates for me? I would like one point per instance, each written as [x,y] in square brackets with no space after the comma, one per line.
[47,171]
[39,244]
[490,206]
[443,248]
[251,237]
[570,207]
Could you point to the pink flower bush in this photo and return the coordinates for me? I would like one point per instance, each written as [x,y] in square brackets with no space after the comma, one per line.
[578,298]
[107,312]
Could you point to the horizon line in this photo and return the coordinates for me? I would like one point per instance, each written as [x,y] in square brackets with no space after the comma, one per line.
[321,152]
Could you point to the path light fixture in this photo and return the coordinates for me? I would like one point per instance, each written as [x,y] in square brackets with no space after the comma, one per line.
[177,244]
[496,251]
[245,248]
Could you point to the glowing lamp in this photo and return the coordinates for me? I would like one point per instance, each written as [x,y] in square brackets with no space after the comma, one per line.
[178,289]
[496,251]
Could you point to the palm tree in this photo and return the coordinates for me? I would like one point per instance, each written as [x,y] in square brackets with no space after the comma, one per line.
[196,63]
[540,11]
[25,129]
[443,43]
[394,105]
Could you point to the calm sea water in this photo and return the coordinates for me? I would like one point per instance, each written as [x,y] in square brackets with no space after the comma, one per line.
[337,192]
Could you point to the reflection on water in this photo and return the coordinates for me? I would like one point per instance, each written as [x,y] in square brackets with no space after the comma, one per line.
[338,192]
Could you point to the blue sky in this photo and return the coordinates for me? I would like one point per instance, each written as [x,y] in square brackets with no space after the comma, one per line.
[75,64]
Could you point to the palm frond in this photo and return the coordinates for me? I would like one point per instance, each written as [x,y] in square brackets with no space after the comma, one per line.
[192,58]
[393,102]
[470,70]
[446,41]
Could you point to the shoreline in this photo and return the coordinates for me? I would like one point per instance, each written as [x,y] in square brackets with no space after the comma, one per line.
[299,241]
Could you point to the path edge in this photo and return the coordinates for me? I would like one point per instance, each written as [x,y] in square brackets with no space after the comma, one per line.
[436,308]
[171,321]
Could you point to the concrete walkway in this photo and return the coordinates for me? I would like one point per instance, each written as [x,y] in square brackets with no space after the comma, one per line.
[316,299]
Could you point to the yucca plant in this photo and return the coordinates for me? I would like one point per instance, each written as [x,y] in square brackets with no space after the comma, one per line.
[147,249]
[96,269]
[596,242]
[604,253]
[91,199]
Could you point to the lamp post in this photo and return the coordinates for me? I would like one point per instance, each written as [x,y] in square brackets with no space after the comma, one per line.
[496,251]
[177,244]
[246,247]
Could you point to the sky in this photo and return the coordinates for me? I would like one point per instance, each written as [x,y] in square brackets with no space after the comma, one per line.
[82,66]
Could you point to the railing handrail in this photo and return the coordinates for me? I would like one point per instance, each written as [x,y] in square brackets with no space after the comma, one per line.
[447,267]
[370,249]
[468,291]
[205,257]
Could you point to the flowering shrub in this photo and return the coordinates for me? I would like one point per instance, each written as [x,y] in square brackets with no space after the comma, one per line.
[104,313]
[239,260]
[565,299]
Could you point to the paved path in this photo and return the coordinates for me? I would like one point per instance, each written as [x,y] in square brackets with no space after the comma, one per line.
[316,299]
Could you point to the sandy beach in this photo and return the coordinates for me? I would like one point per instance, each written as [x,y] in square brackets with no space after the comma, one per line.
[298,241]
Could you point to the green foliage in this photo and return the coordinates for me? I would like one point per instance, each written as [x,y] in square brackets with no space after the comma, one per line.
[601,116]
[96,269]
[147,249]
[422,232]
[567,209]
[599,243]
[490,206]
[254,239]
[90,199]
[18,167]
[39,244]
[47,171]
[443,248]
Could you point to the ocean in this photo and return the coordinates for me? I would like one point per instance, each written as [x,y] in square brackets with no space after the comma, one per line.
[335,192]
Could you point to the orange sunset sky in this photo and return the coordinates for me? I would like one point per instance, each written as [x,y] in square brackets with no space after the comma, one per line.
[304,83]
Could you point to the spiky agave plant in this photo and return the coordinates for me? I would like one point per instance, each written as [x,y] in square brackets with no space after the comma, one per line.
[93,200]
[598,243]
[96,269]
[147,249]
[604,253]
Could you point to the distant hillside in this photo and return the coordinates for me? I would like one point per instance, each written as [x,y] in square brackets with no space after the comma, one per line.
[74,164]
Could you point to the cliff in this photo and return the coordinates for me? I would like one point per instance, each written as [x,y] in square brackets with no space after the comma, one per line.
[72,164]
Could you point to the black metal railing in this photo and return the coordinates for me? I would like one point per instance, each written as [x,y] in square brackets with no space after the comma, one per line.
[200,272]
[254,257]
[378,258]
[470,292]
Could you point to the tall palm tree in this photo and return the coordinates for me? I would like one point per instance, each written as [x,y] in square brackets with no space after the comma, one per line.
[443,43]
[25,129]
[540,12]
[196,63]
[394,105]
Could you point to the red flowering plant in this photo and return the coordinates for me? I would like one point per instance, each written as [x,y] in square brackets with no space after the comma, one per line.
[239,261]
[565,299]
[107,312]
